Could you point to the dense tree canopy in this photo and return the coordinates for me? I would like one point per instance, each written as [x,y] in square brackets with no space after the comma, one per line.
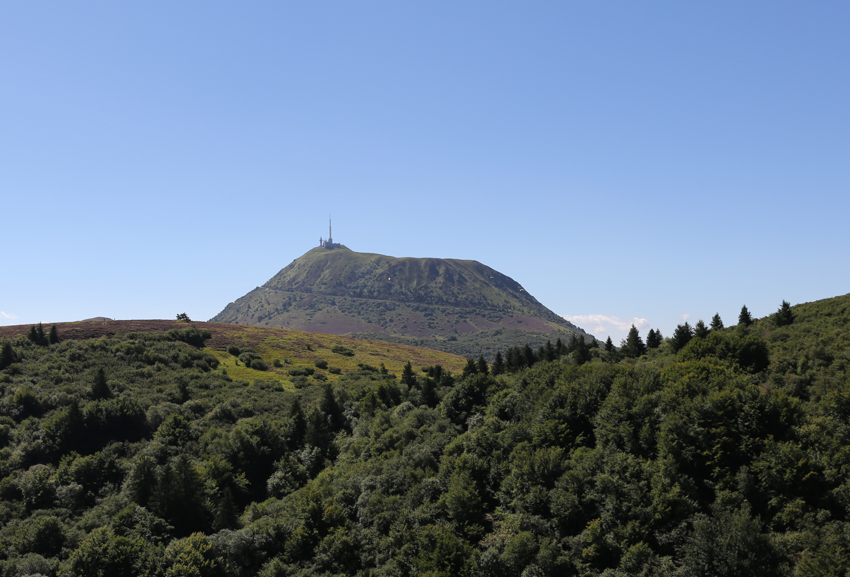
[724,456]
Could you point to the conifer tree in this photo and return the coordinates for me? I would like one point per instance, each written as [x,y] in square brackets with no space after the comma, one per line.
[7,355]
[716,323]
[784,316]
[331,408]
[54,335]
[653,339]
[99,388]
[650,336]
[681,336]
[528,355]
[428,394]
[700,330]
[42,338]
[609,344]
[470,368]
[633,345]
[299,424]
[582,353]
[559,347]
[33,335]
[745,319]
[407,375]
[483,368]
[499,363]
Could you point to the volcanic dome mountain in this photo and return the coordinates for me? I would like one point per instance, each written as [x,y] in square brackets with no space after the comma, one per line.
[459,306]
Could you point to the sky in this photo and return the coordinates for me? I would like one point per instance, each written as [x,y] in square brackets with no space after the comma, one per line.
[638,163]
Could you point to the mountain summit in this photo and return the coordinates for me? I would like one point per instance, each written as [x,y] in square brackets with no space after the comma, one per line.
[459,306]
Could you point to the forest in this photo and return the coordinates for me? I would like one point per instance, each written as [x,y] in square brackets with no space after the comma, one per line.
[719,450]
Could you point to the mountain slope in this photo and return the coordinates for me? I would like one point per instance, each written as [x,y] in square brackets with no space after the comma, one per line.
[460,306]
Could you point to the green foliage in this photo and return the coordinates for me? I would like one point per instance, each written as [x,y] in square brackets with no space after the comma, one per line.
[681,337]
[653,339]
[7,355]
[321,363]
[191,336]
[183,318]
[784,316]
[749,352]
[53,338]
[633,345]
[105,554]
[99,388]
[259,365]
[341,350]
[745,319]
[716,322]
[724,458]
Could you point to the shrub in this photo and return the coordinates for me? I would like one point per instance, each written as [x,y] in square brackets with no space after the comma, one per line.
[234,350]
[259,365]
[247,356]
[277,363]
[191,336]
[297,372]
[321,364]
[344,351]
[335,370]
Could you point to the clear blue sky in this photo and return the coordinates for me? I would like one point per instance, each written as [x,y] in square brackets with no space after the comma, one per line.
[628,160]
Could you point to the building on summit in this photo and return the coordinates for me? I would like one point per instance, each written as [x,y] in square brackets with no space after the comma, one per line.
[329,244]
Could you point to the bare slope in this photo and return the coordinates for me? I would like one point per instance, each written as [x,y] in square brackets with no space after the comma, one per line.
[460,306]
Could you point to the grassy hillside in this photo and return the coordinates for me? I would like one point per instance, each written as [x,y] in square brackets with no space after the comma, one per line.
[430,302]
[132,453]
[293,351]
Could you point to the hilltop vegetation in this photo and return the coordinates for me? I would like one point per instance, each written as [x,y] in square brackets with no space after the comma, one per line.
[714,452]
[458,306]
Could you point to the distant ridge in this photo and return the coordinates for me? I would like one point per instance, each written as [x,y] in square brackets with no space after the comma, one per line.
[458,306]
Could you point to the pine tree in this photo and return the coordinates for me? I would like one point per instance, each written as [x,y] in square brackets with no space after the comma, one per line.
[42,338]
[609,344]
[470,368]
[33,335]
[407,375]
[54,336]
[528,355]
[428,394]
[7,355]
[745,319]
[582,353]
[653,339]
[482,366]
[100,389]
[716,323]
[650,336]
[784,316]
[681,336]
[559,347]
[331,409]
[499,364]
[299,424]
[700,330]
[633,345]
